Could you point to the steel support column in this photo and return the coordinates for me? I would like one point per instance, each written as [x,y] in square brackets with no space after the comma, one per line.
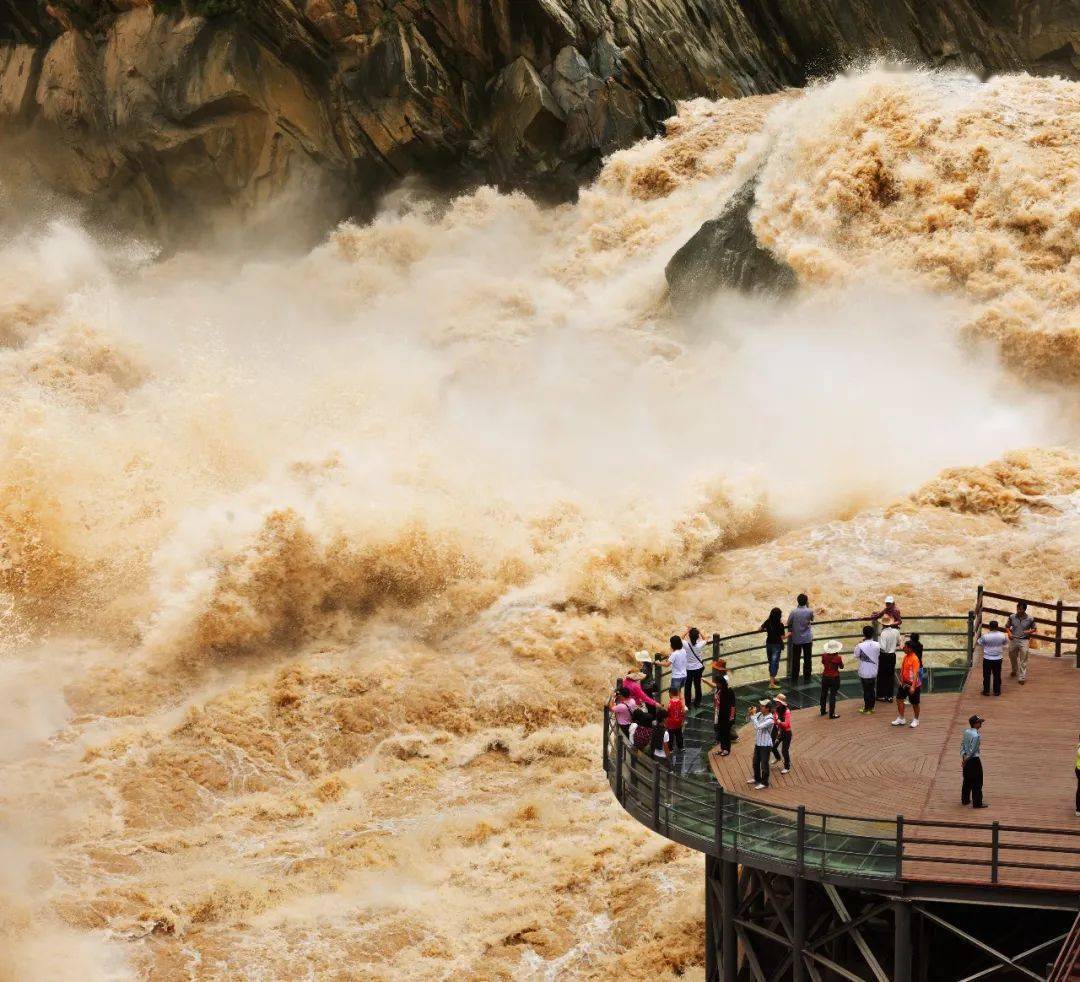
[901,941]
[729,952]
[712,918]
[798,939]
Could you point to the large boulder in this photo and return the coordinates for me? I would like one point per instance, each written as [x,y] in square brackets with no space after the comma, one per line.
[724,253]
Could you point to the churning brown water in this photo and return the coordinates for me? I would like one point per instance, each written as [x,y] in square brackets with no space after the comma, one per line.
[314,573]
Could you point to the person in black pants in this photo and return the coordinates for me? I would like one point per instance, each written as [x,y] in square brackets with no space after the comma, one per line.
[993,643]
[971,791]
[723,712]
[694,644]
[800,624]
[831,663]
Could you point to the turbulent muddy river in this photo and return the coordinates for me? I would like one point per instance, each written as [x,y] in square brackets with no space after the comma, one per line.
[315,570]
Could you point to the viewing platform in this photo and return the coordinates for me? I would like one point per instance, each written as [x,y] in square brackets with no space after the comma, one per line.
[869,820]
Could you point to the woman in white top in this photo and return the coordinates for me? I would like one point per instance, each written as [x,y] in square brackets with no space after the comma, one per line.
[693,645]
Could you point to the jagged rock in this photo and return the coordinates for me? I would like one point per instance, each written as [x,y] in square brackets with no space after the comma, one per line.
[150,104]
[19,68]
[527,121]
[725,253]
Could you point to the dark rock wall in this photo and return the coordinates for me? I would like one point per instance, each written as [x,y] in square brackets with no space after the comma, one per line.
[155,113]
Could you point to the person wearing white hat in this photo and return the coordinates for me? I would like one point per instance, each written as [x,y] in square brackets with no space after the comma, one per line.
[889,642]
[831,663]
[889,610]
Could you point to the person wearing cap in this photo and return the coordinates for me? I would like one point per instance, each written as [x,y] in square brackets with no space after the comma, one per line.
[971,792]
[831,663]
[800,623]
[890,610]
[910,686]
[889,642]
[867,653]
[762,719]
[632,683]
[782,732]
[1019,627]
[992,641]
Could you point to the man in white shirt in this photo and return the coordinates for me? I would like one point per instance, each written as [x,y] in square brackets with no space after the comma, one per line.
[868,653]
[762,718]
[993,641]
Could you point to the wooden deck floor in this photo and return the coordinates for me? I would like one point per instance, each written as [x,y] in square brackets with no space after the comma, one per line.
[862,766]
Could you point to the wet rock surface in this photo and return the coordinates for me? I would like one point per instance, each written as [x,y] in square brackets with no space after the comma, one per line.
[157,112]
[725,253]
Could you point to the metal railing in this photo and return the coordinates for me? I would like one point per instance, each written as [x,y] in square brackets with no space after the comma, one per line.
[1063,620]
[698,812]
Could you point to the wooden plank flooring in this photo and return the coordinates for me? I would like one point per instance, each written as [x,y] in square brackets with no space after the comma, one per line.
[862,766]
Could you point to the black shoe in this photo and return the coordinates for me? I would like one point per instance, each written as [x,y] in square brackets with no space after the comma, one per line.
[986,693]
[823,712]
[835,716]
[983,805]
[964,804]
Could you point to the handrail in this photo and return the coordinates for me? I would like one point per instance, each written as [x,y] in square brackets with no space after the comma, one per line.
[717,821]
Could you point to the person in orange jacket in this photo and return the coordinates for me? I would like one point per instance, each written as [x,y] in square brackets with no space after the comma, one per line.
[910,685]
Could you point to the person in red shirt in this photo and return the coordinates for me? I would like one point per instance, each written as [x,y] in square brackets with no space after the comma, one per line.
[782,732]
[831,663]
[910,685]
[676,717]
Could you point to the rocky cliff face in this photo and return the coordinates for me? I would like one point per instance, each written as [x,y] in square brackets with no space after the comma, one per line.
[155,111]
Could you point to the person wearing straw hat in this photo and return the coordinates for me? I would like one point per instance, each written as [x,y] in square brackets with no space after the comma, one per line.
[762,719]
[831,663]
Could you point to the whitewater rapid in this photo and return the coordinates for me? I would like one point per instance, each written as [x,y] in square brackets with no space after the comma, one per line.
[314,568]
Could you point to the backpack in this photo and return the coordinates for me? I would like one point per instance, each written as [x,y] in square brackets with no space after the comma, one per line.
[642,737]
[676,714]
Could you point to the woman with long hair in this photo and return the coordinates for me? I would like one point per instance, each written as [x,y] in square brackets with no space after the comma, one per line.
[775,635]
[723,712]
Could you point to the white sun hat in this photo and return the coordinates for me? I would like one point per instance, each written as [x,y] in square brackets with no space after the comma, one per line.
[889,600]
[643,656]
[833,647]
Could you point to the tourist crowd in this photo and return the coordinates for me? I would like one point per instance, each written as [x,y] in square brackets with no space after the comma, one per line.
[656,728]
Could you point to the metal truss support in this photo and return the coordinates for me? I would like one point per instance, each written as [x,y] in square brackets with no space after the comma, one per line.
[769,927]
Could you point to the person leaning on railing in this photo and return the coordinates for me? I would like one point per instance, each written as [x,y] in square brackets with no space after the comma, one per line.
[632,683]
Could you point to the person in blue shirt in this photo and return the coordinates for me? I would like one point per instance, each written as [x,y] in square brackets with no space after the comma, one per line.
[971,763]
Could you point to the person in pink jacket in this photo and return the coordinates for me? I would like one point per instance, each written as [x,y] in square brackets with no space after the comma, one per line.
[632,683]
